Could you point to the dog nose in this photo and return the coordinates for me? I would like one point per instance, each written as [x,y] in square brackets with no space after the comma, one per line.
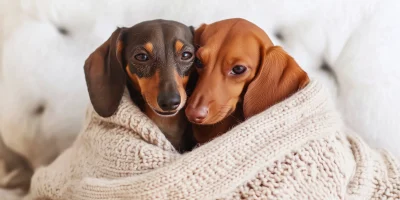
[197,115]
[168,101]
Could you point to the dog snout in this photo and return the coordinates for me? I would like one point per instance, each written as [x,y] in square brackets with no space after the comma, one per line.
[197,115]
[168,101]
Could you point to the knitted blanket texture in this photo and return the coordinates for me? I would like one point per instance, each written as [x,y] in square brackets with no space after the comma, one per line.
[297,149]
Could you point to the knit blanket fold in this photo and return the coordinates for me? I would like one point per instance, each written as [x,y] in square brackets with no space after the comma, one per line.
[297,149]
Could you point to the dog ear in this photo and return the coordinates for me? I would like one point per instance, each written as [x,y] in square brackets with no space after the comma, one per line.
[192,30]
[278,77]
[104,74]
[198,32]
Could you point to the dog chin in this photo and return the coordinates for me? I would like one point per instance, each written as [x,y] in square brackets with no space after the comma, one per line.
[207,121]
[219,119]
[211,122]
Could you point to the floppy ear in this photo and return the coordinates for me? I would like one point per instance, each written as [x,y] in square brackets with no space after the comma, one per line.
[198,32]
[105,77]
[277,78]
[192,30]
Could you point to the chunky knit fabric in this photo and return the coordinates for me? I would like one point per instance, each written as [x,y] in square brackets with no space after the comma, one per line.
[297,149]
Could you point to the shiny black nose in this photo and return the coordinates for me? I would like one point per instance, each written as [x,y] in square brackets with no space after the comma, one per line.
[169,101]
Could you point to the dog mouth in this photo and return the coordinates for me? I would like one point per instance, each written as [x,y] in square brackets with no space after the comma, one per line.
[161,113]
[166,113]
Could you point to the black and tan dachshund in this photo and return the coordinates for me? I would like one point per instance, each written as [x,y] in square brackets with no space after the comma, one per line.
[153,59]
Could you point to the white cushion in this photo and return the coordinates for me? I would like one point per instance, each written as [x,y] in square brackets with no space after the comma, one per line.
[43,68]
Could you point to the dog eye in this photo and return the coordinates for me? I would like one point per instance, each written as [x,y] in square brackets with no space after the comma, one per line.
[238,69]
[141,57]
[186,55]
[198,63]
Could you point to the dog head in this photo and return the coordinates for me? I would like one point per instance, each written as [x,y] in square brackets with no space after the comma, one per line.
[237,63]
[155,56]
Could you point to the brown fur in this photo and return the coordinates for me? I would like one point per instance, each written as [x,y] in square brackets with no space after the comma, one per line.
[271,76]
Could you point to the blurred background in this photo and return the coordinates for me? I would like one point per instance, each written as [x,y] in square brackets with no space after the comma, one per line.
[351,46]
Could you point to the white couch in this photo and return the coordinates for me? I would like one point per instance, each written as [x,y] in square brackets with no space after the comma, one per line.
[43,45]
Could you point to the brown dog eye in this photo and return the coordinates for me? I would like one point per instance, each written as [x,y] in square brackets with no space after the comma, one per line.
[238,69]
[141,57]
[186,55]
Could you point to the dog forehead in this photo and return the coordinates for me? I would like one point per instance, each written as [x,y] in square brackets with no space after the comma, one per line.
[162,39]
[235,29]
[229,45]
[158,32]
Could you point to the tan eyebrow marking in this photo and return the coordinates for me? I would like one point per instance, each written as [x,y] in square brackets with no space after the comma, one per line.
[178,46]
[149,47]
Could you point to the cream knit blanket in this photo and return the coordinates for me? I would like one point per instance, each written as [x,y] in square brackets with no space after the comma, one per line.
[297,149]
